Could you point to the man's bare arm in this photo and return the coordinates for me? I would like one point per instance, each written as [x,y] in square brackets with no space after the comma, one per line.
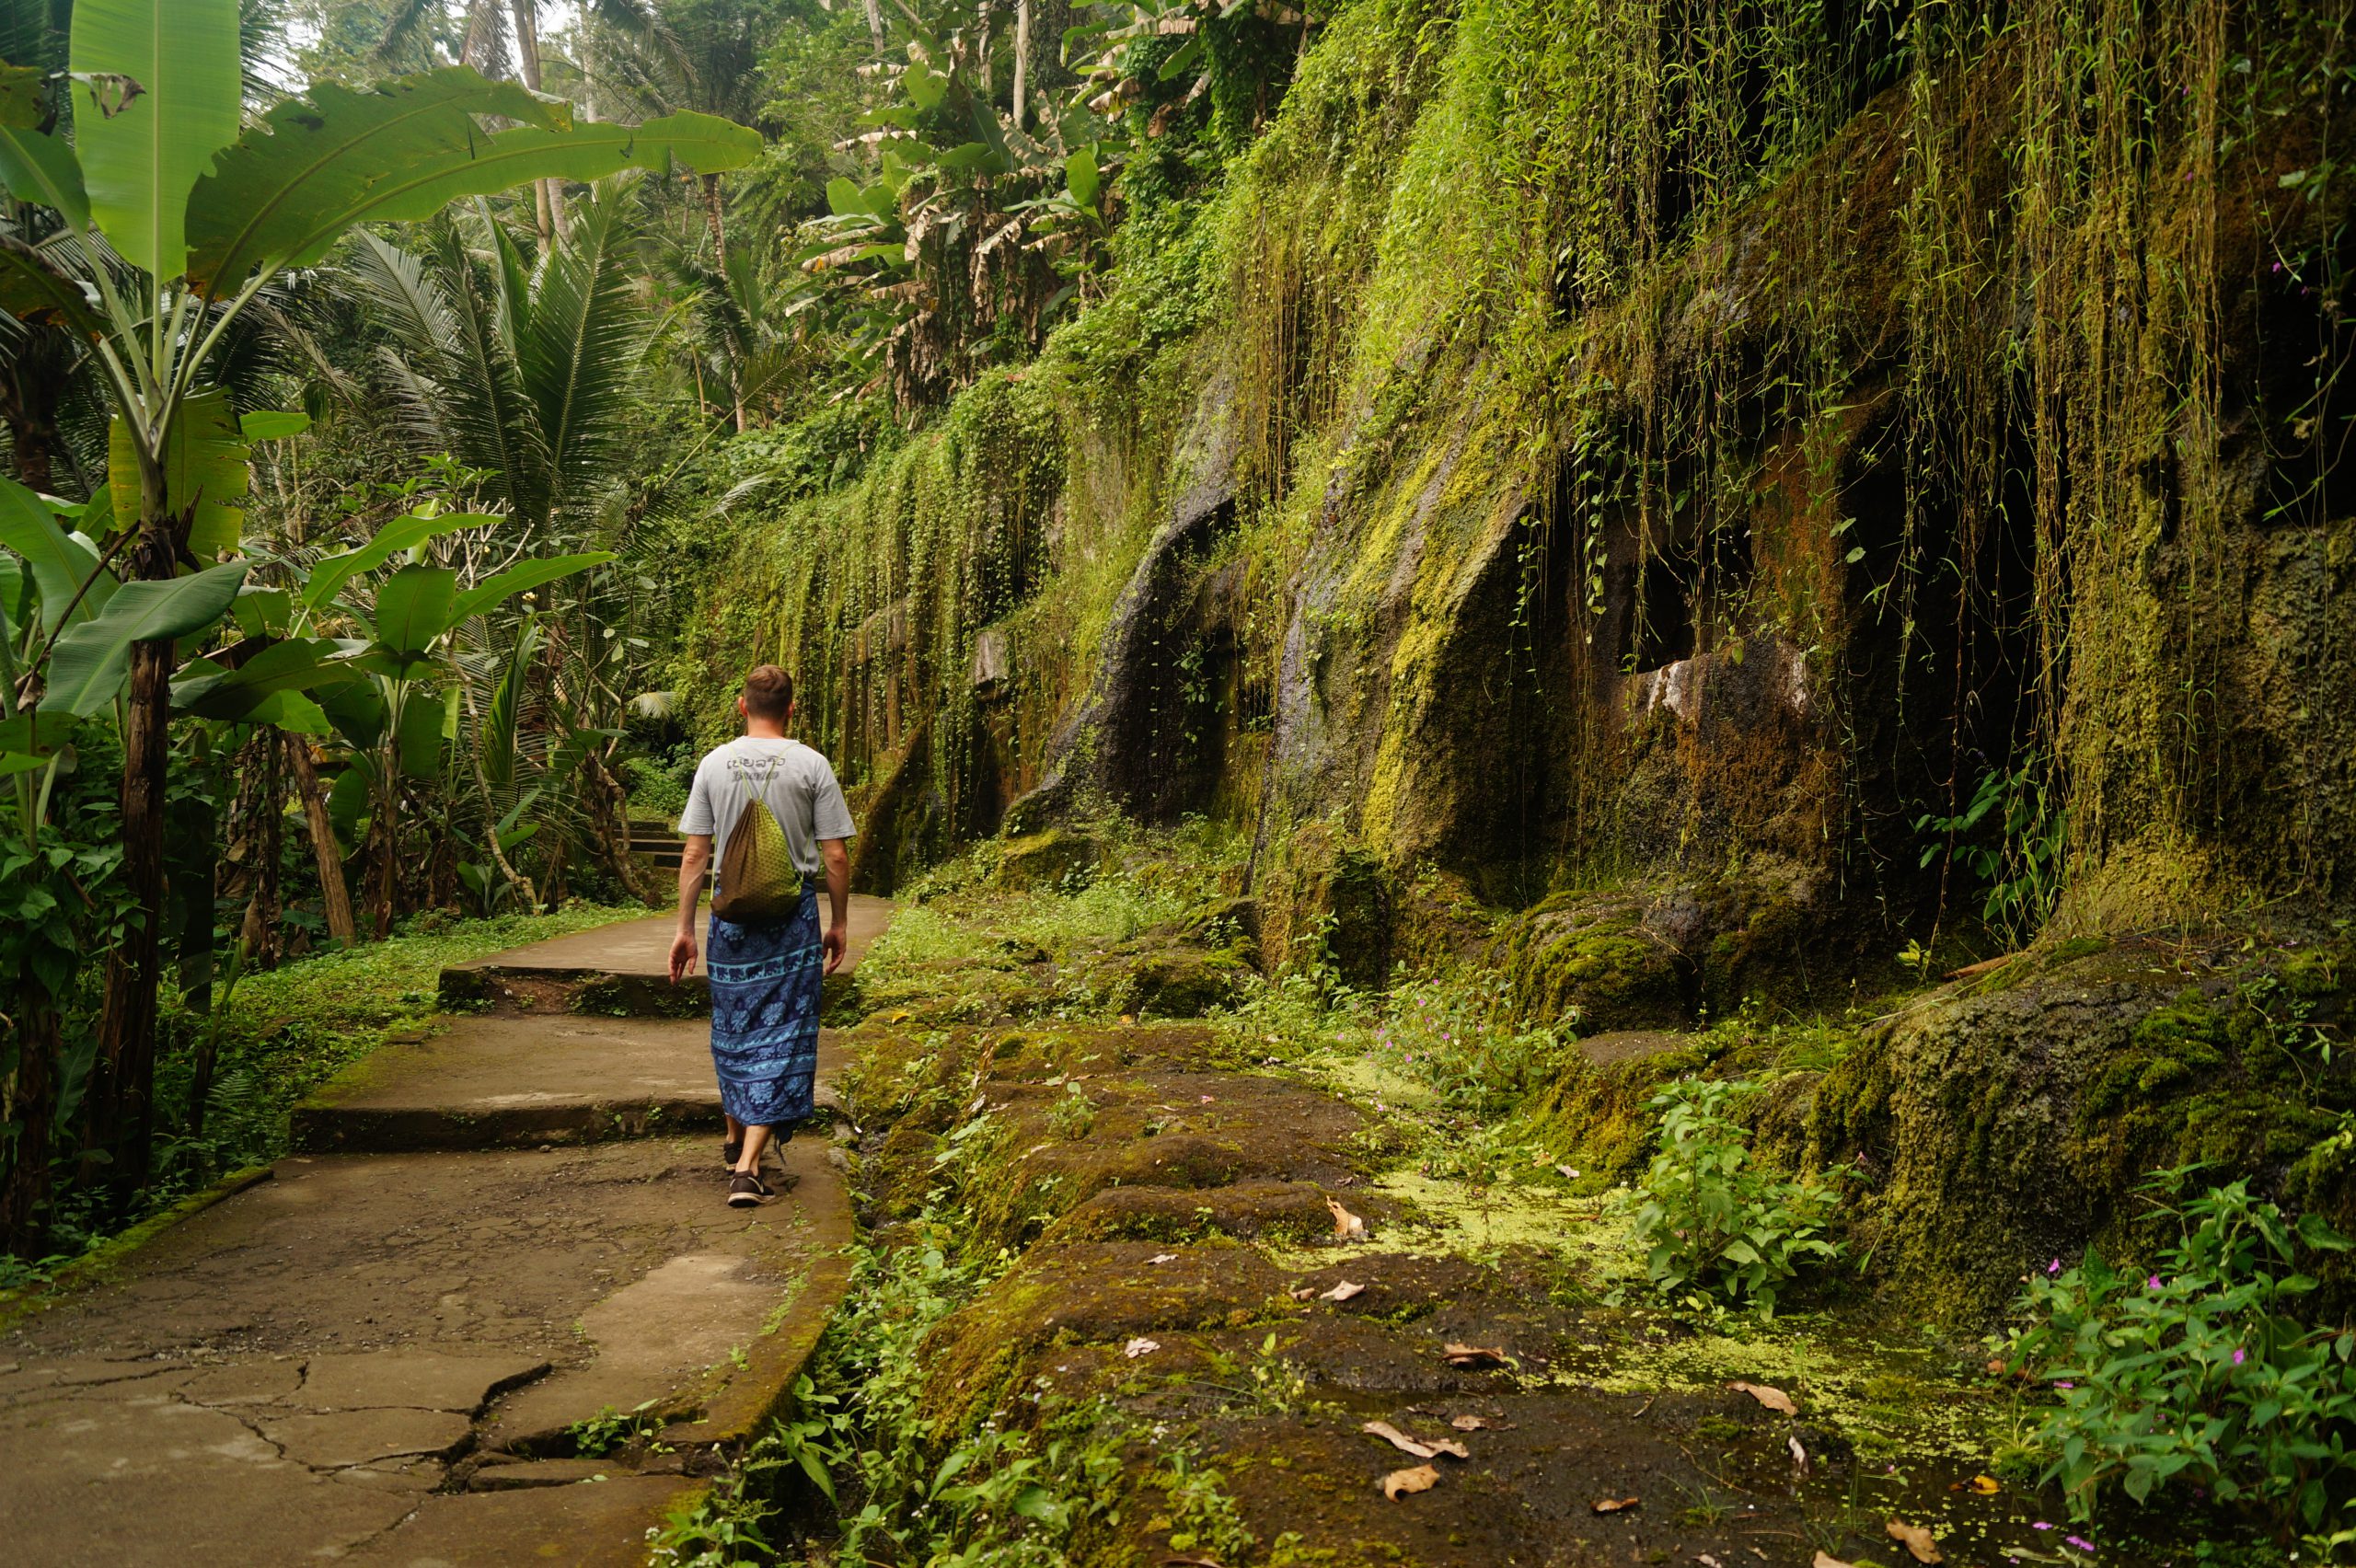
[695,861]
[837,860]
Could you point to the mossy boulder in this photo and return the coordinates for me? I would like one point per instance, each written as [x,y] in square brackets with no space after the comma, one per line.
[1650,956]
[1055,857]
[1181,982]
[2010,1120]
[1592,962]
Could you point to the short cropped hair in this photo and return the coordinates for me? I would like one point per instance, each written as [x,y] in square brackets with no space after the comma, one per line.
[768,693]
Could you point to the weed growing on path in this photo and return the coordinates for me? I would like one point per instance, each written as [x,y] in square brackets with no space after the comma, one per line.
[1712,1223]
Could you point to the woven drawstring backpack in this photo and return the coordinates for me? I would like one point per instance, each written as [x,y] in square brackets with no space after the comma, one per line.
[758,880]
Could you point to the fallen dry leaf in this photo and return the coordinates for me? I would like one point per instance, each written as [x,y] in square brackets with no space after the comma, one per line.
[1826,1560]
[1343,1292]
[1613,1505]
[1346,1226]
[1773,1398]
[1160,1257]
[1192,1562]
[1305,1293]
[1423,1478]
[1474,1356]
[1799,1456]
[1472,1424]
[1986,1485]
[1398,1439]
[1917,1540]
[1137,1347]
[1566,1173]
[1706,1561]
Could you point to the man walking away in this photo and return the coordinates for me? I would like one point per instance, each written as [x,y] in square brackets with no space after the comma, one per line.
[778,817]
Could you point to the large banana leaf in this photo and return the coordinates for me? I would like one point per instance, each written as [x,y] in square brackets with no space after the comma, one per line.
[400,534]
[205,469]
[413,608]
[62,562]
[142,151]
[298,664]
[518,579]
[299,178]
[317,166]
[90,660]
[41,169]
[419,743]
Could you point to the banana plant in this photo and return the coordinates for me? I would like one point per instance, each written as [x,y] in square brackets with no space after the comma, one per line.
[172,214]
[409,657]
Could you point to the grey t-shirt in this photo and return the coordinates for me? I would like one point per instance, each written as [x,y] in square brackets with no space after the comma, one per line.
[797,783]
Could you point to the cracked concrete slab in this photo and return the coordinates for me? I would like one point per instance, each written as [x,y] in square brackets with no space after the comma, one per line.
[344,1438]
[421,1380]
[312,1368]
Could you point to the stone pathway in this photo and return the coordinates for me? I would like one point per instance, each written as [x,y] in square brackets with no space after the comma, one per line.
[385,1350]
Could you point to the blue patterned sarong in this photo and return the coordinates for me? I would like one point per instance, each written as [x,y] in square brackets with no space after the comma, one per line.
[765,982]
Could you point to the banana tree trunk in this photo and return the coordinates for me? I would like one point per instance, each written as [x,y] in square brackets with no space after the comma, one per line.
[121,1108]
[335,893]
[33,1105]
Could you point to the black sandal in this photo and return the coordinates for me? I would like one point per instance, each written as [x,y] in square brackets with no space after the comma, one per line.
[746,1191]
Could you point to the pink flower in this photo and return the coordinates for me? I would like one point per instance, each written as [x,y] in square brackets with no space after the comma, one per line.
[2155,1282]
[2065,1385]
[2081,1542]
[2054,1267]
[2041,1525]
[2239,1357]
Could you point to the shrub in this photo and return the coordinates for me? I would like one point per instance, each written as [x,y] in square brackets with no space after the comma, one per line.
[1712,1223]
[2198,1373]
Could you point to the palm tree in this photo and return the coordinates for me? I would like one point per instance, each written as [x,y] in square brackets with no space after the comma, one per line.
[523,369]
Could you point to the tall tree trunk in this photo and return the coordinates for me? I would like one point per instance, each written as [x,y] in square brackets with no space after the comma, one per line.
[715,218]
[875,23]
[258,835]
[1022,60]
[121,1109]
[335,894]
[31,1106]
[548,194]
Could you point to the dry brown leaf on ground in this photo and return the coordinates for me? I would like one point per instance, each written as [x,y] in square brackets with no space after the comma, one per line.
[1826,1560]
[1303,1293]
[1137,1347]
[1916,1539]
[1986,1485]
[1472,1424]
[1343,1292]
[1423,1478]
[1474,1356]
[1347,1226]
[1398,1439]
[1773,1398]
[1615,1504]
[1192,1562]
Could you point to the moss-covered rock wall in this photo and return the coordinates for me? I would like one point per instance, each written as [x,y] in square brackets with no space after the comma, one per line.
[1587,452]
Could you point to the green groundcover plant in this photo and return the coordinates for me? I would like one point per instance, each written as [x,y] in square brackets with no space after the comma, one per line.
[2197,1373]
[1712,1224]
